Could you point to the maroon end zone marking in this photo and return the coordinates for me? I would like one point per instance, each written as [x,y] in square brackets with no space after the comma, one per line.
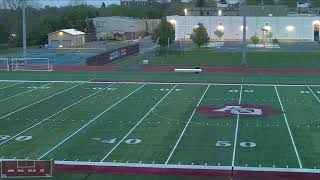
[124,170]
[235,70]
[244,110]
[86,68]
[197,82]
[213,173]
[168,69]
[263,175]
[158,69]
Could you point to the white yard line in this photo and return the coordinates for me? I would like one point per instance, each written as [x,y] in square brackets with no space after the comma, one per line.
[10,85]
[138,123]
[87,124]
[185,128]
[23,92]
[40,101]
[314,94]
[285,118]
[236,133]
[54,115]
[173,83]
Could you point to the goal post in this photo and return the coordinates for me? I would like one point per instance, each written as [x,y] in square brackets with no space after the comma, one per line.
[31,64]
[4,64]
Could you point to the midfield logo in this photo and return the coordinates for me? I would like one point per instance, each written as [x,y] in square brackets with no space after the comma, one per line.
[246,110]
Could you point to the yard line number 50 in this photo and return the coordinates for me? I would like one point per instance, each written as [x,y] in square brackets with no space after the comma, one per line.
[242,144]
[18,138]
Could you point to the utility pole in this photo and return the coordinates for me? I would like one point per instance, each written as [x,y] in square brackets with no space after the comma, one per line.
[244,37]
[24,27]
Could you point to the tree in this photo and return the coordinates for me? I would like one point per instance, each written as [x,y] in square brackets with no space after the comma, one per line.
[268,35]
[200,3]
[255,39]
[103,5]
[275,41]
[4,35]
[90,31]
[77,2]
[200,35]
[15,4]
[218,33]
[164,31]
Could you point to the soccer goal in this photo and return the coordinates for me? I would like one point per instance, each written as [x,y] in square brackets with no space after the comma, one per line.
[31,64]
[4,64]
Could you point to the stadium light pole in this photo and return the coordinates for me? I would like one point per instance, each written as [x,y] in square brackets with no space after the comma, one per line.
[185,22]
[244,37]
[24,27]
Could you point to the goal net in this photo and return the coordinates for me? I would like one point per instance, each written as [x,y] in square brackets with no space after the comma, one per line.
[31,64]
[4,64]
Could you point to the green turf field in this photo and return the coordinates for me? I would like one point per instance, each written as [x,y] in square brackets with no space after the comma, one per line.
[261,125]
[214,58]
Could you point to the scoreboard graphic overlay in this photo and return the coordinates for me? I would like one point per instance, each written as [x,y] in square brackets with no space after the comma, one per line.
[26,168]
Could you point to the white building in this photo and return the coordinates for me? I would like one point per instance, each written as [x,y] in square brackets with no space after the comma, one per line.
[283,28]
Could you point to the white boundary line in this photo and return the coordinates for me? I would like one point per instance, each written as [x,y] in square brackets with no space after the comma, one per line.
[236,133]
[138,123]
[143,165]
[40,101]
[289,130]
[10,85]
[91,121]
[173,83]
[24,92]
[185,128]
[314,94]
[75,103]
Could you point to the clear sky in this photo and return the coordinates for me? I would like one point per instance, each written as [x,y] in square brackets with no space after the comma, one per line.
[66,2]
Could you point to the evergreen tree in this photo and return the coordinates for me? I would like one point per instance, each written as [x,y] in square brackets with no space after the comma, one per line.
[200,35]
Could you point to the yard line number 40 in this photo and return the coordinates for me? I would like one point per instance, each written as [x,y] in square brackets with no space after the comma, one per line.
[242,144]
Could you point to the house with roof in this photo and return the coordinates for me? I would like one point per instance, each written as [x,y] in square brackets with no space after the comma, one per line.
[66,38]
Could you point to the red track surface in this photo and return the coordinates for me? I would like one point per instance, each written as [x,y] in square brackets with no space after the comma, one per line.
[166,69]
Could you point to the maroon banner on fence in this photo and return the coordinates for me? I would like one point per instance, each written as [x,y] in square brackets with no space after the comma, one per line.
[113,55]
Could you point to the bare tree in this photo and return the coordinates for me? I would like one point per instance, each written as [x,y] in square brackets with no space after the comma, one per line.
[77,2]
[15,4]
